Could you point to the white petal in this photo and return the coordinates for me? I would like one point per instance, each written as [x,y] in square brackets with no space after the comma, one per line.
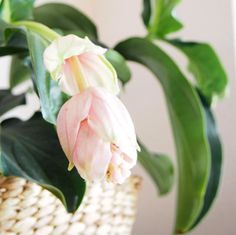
[68,82]
[99,72]
[65,47]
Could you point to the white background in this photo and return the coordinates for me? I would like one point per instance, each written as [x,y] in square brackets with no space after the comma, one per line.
[205,20]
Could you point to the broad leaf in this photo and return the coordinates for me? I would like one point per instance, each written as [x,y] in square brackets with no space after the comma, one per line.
[120,65]
[31,150]
[14,10]
[158,17]
[9,101]
[65,18]
[159,167]
[188,125]
[19,70]
[216,160]
[206,67]
[51,97]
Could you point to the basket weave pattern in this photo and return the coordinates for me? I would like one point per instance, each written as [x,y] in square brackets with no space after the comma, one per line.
[107,209]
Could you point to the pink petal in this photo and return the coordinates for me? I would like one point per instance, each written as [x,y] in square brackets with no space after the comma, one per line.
[91,154]
[109,118]
[69,118]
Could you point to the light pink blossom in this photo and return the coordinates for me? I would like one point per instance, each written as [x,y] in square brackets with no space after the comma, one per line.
[97,135]
[76,63]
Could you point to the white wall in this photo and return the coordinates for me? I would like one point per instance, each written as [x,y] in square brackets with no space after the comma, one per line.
[206,20]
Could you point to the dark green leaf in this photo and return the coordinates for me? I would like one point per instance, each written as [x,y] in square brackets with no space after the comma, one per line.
[31,150]
[8,50]
[158,17]
[159,167]
[205,66]
[12,40]
[120,65]
[9,101]
[3,27]
[216,161]
[188,125]
[65,18]
[14,10]
[51,97]
[16,38]
[19,70]
[147,11]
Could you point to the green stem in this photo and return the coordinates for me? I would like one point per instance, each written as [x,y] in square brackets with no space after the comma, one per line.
[41,29]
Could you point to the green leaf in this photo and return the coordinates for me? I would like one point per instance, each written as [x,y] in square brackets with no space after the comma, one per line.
[147,11]
[19,70]
[51,97]
[158,17]
[188,125]
[206,67]
[14,10]
[9,101]
[31,150]
[3,27]
[159,167]
[120,65]
[8,50]
[12,40]
[216,160]
[65,18]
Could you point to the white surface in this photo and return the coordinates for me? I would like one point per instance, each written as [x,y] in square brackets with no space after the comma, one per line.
[210,21]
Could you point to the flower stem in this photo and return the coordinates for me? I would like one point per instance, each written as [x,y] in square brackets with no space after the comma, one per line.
[41,29]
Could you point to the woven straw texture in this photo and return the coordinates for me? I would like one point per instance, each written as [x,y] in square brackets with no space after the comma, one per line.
[107,209]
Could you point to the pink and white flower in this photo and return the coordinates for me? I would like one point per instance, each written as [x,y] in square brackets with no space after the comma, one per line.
[98,136]
[77,64]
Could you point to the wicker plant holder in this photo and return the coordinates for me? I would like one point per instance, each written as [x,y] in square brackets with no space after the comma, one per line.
[26,208]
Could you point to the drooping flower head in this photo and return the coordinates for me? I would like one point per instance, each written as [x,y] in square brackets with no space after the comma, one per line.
[77,64]
[97,135]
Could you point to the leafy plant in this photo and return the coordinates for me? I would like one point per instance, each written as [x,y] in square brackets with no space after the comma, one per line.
[198,145]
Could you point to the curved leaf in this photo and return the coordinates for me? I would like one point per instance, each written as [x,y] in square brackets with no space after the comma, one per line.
[120,65]
[51,97]
[9,101]
[216,160]
[158,17]
[159,167]
[14,10]
[188,125]
[206,67]
[31,150]
[65,18]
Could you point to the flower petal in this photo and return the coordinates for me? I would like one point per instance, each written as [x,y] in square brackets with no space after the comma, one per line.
[72,113]
[91,155]
[109,117]
[99,72]
[65,47]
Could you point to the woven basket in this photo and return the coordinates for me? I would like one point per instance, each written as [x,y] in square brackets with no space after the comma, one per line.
[107,209]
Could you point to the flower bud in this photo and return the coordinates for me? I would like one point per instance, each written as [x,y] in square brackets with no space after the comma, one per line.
[97,135]
[77,64]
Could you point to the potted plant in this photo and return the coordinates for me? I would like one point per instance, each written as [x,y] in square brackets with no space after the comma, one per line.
[74,75]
